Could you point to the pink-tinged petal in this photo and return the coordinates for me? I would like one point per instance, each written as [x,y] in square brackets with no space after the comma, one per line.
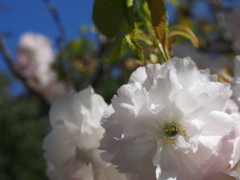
[145,75]
[148,126]
[127,91]
[85,97]
[133,153]
[166,159]
[59,111]
[209,142]
[66,129]
[139,75]
[218,95]
[217,123]
[92,102]
[174,164]
[57,150]
[102,170]
[186,71]
[123,108]
[62,160]
[107,113]
[146,119]
[218,164]
[236,152]
[87,125]
[194,130]
[113,129]
[153,70]
[235,162]
[181,145]
[168,85]
[111,146]
[235,172]
[194,106]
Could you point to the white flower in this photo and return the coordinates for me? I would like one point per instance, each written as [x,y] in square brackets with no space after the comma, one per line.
[71,147]
[169,116]
[35,56]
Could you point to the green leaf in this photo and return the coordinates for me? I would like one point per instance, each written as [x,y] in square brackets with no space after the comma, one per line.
[185,32]
[134,45]
[113,16]
[160,24]
[159,20]
[113,50]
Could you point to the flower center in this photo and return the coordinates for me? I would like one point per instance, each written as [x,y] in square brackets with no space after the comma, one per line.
[170,130]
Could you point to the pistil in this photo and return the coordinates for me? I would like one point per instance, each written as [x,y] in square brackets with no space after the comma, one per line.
[170,130]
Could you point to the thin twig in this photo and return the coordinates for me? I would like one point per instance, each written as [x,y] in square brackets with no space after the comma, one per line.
[63,40]
[9,61]
[220,14]
[57,20]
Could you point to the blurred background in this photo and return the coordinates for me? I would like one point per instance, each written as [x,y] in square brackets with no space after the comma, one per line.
[51,47]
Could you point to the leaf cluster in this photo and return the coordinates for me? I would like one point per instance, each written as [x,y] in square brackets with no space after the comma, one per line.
[136,22]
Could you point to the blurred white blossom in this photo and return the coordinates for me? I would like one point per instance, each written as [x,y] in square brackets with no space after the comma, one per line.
[35,56]
[172,120]
[34,61]
[71,147]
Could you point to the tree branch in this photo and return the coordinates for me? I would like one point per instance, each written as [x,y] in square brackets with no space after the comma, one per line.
[220,15]
[10,63]
[63,40]
[57,20]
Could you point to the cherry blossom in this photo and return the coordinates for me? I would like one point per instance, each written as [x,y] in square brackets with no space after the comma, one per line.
[168,120]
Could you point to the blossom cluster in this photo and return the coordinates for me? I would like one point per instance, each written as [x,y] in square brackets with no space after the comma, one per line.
[34,61]
[35,56]
[170,121]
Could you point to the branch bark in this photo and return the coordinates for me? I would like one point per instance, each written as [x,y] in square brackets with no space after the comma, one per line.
[10,63]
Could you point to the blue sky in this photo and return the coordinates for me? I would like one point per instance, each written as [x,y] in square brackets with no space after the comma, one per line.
[20,16]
